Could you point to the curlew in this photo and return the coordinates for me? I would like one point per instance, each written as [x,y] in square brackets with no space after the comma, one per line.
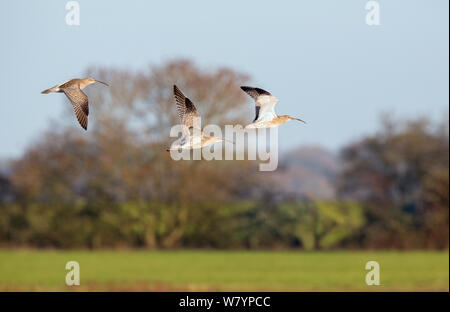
[265,109]
[190,120]
[72,89]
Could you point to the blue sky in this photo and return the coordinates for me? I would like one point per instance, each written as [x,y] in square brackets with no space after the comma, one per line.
[317,56]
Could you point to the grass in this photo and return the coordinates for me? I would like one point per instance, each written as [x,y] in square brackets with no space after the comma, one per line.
[224,270]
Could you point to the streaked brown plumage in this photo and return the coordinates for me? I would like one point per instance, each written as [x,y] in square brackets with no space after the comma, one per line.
[190,118]
[265,109]
[186,110]
[72,89]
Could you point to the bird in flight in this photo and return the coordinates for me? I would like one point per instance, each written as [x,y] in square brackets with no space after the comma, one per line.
[72,89]
[189,118]
[265,109]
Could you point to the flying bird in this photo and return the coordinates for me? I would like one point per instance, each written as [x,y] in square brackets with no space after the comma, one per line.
[189,117]
[265,109]
[72,89]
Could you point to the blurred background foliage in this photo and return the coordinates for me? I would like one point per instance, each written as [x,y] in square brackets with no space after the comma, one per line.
[115,186]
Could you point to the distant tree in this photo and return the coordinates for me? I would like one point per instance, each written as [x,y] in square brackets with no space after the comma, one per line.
[5,189]
[143,101]
[401,173]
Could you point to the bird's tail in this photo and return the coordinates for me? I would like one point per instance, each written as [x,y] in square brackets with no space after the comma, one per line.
[54,89]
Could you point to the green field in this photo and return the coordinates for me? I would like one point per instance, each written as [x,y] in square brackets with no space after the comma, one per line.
[223,270]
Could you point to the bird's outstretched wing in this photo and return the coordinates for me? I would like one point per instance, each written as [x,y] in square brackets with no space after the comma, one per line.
[264,103]
[80,104]
[254,92]
[186,110]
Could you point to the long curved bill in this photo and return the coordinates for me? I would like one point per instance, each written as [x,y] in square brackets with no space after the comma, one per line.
[102,82]
[229,141]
